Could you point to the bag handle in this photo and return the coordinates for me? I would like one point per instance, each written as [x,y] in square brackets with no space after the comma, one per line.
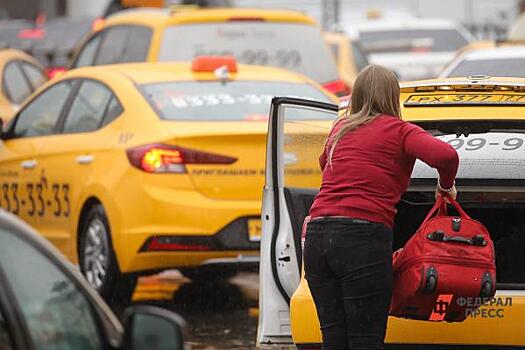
[441,207]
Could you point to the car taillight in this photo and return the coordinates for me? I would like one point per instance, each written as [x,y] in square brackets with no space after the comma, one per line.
[54,72]
[161,158]
[338,87]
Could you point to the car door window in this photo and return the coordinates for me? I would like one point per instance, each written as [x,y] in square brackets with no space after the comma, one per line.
[112,46]
[113,111]
[5,338]
[88,108]
[34,74]
[15,84]
[137,45]
[86,56]
[57,314]
[41,115]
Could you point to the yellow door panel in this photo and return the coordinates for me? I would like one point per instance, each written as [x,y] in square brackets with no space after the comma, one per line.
[18,179]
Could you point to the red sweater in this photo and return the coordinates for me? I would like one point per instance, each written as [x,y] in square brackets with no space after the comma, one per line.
[372,165]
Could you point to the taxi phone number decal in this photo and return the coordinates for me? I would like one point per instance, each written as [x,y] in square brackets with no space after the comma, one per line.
[510,144]
[36,199]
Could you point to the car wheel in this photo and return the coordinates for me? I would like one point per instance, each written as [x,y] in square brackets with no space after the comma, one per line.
[98,262]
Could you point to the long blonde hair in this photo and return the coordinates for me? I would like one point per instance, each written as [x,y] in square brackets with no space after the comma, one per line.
[375,92]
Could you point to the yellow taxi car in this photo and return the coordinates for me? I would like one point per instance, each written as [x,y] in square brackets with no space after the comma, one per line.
[483,118]
[348,54]
[20,75]
[262,37]
[139,167]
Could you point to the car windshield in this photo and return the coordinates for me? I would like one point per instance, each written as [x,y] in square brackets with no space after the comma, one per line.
[236,100]
[260,43]
[507,67]
[411,40]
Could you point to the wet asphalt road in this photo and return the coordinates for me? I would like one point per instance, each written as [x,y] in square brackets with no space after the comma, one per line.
[220,315]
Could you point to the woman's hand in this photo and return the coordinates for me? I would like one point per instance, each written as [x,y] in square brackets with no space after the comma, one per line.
[453,193]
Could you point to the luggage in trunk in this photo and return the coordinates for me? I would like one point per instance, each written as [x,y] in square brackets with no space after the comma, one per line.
[443,268]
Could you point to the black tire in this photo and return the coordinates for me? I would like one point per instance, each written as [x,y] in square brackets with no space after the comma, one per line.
[98,262]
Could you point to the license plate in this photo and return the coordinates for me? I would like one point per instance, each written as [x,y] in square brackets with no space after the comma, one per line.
[254,229]
[465,99]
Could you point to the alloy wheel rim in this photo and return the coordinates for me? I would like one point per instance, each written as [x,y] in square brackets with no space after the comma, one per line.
[96,249]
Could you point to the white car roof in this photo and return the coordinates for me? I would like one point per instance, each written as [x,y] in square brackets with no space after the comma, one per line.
[402,23]
[495,53]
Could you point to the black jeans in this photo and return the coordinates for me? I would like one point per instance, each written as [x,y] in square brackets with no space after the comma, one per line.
[348,267]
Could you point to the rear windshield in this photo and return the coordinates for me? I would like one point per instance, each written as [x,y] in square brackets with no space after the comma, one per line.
[261,43]
[508,67]
[412,40]
[237,100]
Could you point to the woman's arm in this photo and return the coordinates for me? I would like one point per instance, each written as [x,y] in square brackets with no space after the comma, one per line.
[434,152]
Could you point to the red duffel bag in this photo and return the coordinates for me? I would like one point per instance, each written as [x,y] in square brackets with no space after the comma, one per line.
[445,269]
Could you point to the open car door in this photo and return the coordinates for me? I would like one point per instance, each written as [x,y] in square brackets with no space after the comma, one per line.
[293,177]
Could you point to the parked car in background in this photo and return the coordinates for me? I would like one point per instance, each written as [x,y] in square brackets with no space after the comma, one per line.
[45,303]
[261,37]
[411,47]
[50,43]
[20,75]
[136,168]
[484,120]
[348,54]
[502,61]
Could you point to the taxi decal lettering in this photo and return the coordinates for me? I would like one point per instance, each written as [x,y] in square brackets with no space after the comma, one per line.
[36,199]
[509,144]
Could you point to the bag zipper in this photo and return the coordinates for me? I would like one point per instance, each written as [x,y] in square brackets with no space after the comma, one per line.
[445,259]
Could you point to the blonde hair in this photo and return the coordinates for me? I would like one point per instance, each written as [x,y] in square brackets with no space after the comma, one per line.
[375,92]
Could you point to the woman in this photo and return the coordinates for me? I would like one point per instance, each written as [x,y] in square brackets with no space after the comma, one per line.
[367,163]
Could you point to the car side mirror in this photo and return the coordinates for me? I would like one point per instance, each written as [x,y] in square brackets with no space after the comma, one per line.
[150,327]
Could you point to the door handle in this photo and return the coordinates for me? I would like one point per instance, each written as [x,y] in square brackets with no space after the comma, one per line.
[85,159]
[28,164]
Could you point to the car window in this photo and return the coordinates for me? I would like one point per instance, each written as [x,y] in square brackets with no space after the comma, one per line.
[502,67]
[15,84]
[112,45]
[360,59]
[34,74]
[114,109]
[56,312]
[88,108]
[5,338]
[41,115]
[137,45]
[261,43]
[86,57]
[214,100]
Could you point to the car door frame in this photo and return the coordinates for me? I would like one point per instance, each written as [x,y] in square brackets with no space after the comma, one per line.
[111,331]
[274,200]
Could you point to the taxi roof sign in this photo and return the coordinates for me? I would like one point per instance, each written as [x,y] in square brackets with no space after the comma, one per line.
[211,63]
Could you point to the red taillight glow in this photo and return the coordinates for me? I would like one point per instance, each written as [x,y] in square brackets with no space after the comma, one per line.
[338,87]
[32,33]
[54,72]
[157,244]
[160,158]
